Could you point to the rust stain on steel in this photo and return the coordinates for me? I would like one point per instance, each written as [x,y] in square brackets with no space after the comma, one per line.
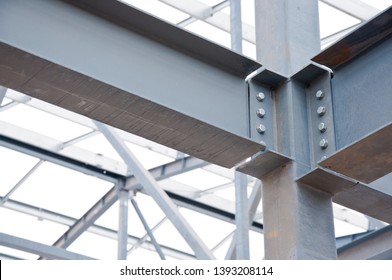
[357,42]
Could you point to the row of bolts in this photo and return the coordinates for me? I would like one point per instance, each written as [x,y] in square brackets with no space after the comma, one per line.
[321,110]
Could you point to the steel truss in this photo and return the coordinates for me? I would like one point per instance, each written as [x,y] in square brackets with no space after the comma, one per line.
[294,124]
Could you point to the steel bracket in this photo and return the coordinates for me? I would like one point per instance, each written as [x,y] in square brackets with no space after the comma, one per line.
[316,80]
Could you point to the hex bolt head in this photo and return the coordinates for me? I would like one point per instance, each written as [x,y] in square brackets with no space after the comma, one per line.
[321,110]
[322,127]
[260,112]
[324,143]
[261,128]
[260,96]
[320,94]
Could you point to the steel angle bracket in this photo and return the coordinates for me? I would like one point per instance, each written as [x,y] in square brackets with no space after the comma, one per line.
[315,80]
[261,102]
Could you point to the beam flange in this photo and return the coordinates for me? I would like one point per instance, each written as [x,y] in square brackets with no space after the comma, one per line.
[355,8]
[357,42]
[263,163]
[350,193]
[59,218]
[366,160]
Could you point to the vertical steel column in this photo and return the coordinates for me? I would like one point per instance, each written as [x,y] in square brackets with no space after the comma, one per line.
[3,91]
[241,217]
[241,180]
[122,225]
[252,204]
[287,34]
[298,220]
[236,25]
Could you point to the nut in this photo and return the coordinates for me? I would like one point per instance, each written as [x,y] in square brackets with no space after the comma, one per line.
[260,128]
[321,110]
[260,96]
[320,94]
[260,112]
[322,127]
[324,143]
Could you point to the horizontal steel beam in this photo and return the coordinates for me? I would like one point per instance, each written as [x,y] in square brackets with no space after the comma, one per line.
[360,87]
[59,159]
[113,68]
[57,147]
[160,173]
[103,204]
[366,160]
[39,248]
[357,42]
[218,19]
[59,218]
[374,246]
[351,193]
[356,8]
[105,163]
[8,257]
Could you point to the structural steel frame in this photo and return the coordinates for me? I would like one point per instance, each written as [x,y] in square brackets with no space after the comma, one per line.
[296,125]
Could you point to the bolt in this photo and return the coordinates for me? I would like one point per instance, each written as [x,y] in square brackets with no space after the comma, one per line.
[260,112]
[322,127]
[320,94]
[260,128]
[260,96]
[324,143]
[321,110]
